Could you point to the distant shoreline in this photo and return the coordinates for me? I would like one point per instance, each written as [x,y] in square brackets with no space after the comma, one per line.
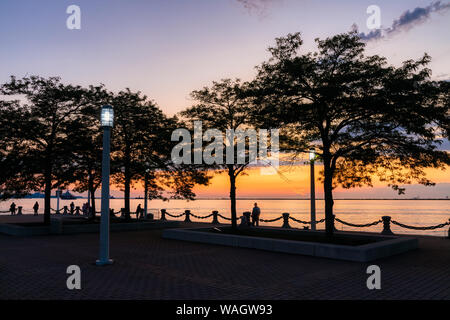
[295,199]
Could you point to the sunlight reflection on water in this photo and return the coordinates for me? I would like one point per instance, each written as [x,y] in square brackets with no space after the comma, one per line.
[410,212]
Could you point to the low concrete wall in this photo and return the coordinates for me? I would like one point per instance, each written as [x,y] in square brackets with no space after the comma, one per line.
[15,230]
[57,226]
[131,226]
[385,247]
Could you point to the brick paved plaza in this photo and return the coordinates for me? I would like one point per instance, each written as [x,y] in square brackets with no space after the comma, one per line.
[149,267]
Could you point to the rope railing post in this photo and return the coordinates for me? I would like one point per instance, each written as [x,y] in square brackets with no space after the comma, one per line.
[77,211]
[66,210]
[247,215]
[19,210]
[386,225]
[215,217]
[449,229]
[188,216]
[286,220]
[163,214]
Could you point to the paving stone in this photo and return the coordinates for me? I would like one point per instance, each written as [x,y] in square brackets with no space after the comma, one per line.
[149,267]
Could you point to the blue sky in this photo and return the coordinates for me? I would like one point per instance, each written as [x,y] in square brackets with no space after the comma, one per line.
[169,48]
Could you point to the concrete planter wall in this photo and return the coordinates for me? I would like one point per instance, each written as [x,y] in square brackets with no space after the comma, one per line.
[57,226]
[384,247]
[15,230]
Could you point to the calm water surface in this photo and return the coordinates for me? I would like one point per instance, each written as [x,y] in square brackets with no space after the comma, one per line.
[411,212]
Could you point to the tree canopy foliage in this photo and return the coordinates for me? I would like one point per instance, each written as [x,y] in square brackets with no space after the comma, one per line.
[366,118]
[51,138]
[222,107]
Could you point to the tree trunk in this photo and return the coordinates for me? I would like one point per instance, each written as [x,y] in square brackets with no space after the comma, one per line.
[92,194]
[127,195]
[328,192]
[48,194]
[127,184]
[232,196]
[145,195]
[93,208]
[48,188]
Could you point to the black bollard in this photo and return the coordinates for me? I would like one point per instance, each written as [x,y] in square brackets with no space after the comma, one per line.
[215,217]
[188,214]
[449,230]
[247,215]
[163,214]
[386,225]
[286,220]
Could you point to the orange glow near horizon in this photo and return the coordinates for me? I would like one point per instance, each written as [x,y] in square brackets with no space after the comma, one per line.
[293,182]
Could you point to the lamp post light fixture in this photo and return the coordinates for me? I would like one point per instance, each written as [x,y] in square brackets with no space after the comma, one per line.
[312,158]
[107,121]
[107,116]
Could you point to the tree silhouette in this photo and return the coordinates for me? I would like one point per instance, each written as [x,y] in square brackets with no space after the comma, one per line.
[139,129]
[85,136]
[41,151]
[51,138]
[223,107]
[367,118]
[15,178]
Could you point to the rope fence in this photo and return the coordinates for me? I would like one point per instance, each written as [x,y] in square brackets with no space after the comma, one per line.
[420,228]
[359,225]
[77,211]
[246,218]
[286,217]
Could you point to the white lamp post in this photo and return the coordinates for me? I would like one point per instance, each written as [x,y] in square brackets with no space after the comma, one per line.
[312,158]
[58,195]
[107,121]
[146,189]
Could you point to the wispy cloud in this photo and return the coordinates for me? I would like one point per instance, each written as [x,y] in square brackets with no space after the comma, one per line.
[258,6]
[443,77]
[407,20]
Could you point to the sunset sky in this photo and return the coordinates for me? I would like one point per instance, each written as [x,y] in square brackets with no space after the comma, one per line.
[167,48]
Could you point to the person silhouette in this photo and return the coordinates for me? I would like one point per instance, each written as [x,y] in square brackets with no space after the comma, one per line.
[36,208]
[138,211]
[12,208]
[255,215]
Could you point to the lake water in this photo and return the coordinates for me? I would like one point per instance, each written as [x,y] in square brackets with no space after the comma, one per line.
[410,212]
